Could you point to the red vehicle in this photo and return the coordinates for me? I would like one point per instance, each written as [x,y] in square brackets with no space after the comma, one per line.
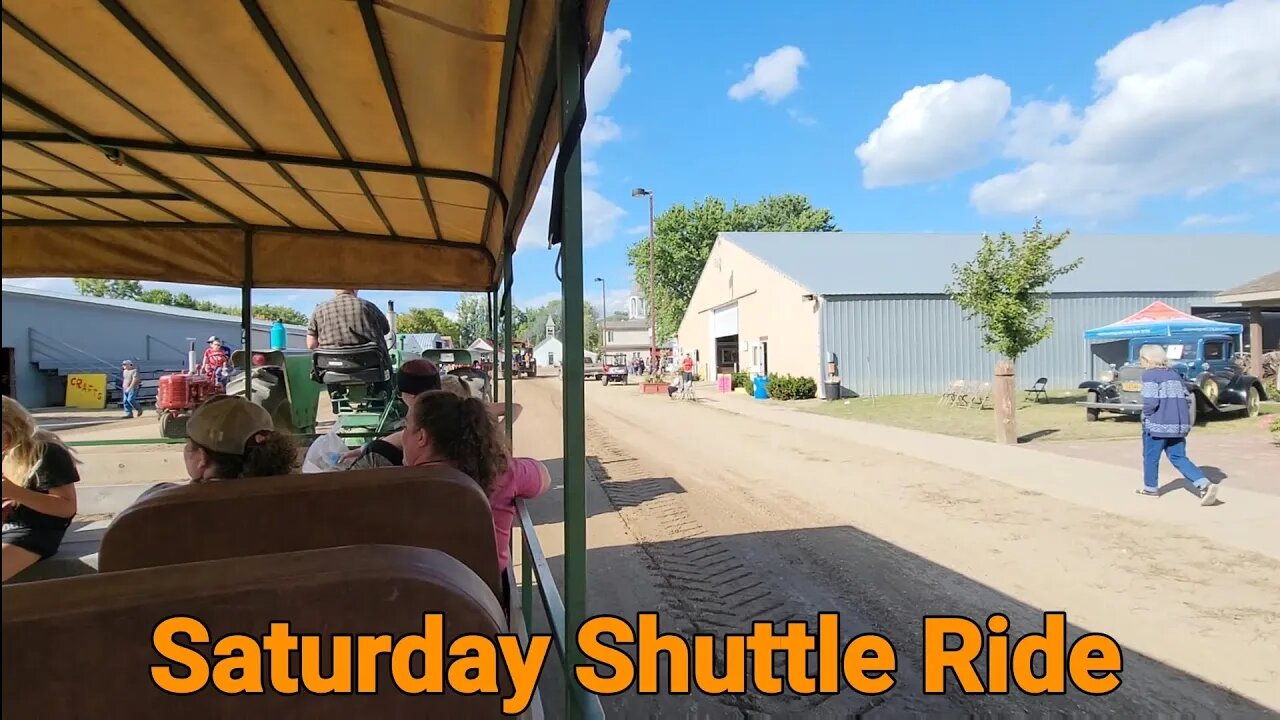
[178,394]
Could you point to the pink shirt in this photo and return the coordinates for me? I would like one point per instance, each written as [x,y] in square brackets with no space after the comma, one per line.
[522,480]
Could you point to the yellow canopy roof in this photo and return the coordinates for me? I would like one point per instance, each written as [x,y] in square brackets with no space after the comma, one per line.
[383,144]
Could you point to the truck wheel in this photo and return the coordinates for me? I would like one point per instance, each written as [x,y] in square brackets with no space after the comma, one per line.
[1195,409]
[605,380]
[1091,414]
[1252,405]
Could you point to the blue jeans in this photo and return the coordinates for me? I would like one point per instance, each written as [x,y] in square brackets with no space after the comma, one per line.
[130,402]
[1176,449]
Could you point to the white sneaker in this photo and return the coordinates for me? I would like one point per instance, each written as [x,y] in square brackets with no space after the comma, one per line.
[1209,495]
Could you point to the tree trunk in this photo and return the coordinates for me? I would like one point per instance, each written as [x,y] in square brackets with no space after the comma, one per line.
[1003,397]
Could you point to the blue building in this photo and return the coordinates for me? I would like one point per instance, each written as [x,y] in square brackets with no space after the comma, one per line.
[48,335]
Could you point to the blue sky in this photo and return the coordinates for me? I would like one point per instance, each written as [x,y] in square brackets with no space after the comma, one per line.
[916,116]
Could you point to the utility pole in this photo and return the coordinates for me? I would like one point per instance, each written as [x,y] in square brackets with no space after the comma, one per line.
[652,304]
[604,318]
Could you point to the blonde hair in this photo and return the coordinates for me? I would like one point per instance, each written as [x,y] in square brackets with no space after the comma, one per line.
[1153,356]
[27,444]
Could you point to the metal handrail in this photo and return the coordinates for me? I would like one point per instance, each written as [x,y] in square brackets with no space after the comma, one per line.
[35,337]
[534,564]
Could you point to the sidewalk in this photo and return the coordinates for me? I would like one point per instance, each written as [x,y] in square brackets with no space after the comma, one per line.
[1244,519]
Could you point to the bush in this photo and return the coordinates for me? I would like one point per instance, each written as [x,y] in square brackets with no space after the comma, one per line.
[789,387]
[742,380]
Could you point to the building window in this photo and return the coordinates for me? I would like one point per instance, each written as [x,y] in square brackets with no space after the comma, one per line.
[610,335]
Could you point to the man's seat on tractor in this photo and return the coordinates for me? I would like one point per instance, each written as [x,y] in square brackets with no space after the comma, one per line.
[360,365]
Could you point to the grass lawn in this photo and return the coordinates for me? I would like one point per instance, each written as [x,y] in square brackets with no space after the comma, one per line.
[1057,419]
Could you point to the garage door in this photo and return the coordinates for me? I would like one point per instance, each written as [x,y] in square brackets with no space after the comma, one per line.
[724,322]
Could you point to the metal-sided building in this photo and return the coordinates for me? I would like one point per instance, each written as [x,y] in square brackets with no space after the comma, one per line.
[49,335]
[786,302]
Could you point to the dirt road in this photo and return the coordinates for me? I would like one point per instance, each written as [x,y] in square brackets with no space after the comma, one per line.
[722,519]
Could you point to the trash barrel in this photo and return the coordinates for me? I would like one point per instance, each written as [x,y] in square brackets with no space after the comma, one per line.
[831,389]
[761,393]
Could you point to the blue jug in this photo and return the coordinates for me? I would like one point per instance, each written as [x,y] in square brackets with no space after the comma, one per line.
[279,336]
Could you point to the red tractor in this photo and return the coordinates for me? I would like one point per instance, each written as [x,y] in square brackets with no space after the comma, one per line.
[179,394]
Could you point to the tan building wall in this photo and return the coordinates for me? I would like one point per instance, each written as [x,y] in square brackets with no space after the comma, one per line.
[770,306]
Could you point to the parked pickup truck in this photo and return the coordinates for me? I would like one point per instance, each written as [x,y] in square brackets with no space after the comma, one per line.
[592,370]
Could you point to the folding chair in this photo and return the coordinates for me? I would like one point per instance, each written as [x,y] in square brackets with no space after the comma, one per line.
[981,396]
[1039,390]
[952,393]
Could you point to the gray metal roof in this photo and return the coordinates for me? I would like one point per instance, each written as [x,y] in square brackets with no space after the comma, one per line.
[139,306]
[920,263]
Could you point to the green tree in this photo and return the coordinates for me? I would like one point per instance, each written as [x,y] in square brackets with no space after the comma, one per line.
[1004,288]
[114,289]
[427,320]
[283,313]
[618,315]
[535,328]
[684,235]
[473,319]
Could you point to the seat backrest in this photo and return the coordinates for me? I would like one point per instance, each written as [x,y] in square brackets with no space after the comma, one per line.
[359,364]
[83,647]
[429,507]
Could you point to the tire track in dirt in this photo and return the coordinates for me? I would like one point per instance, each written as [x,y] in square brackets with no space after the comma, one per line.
[709,588]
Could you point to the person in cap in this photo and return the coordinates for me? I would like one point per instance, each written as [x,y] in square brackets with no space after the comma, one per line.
[129,384]
[415,378]
[215,359]
[229,437]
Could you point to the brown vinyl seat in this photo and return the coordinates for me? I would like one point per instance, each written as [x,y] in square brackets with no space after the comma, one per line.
[82,647]
[427,507]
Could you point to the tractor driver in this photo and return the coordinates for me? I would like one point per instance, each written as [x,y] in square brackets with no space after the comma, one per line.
[346,320]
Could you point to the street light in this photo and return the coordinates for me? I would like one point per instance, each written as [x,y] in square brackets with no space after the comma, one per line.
[653,310]
[604,336]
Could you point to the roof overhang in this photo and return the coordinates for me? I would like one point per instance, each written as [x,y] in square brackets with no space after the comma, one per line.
[382,144]
[1261,297]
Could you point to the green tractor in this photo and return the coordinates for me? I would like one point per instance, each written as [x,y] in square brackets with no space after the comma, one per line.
[281,383]
[361,382]
[461,364]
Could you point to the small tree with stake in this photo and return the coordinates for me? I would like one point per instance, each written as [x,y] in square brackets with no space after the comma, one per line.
[1003,287]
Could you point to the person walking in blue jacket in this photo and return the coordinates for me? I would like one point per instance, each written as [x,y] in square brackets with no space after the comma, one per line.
[1166,422]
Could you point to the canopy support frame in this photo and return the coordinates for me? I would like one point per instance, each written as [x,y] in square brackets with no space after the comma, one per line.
[142,35]
[246,314]
[290,67]
[370,18]
[97,84]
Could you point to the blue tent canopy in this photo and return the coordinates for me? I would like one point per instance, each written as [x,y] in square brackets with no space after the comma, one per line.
[1159,320]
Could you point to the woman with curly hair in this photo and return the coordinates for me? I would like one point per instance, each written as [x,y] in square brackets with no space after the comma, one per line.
[447,428]
[39,491]
[229,437]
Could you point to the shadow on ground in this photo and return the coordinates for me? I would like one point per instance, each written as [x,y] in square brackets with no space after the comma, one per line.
[878,587]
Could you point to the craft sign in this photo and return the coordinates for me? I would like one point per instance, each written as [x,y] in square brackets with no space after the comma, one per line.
[87,391]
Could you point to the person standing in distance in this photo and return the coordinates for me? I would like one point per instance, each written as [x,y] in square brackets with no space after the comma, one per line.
[346,320]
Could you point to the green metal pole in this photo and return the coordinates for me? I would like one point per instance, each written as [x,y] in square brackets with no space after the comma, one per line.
[569,61]
[493,343]
[507,331]
[246,314]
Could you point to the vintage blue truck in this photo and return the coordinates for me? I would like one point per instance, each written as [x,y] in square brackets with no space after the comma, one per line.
[1207,363]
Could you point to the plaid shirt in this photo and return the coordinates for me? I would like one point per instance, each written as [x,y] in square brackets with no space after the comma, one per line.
[348,321]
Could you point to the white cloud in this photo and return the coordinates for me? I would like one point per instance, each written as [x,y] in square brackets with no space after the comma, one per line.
[603,82]
[1186,106]
[1038,127]
[934,131]
[1205,219]
[772,77]
[538,301]
[800,117]
[600,218]
[638,229]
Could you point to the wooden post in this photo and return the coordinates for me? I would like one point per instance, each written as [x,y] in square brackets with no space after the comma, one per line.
[1255,341]
[1003,397]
